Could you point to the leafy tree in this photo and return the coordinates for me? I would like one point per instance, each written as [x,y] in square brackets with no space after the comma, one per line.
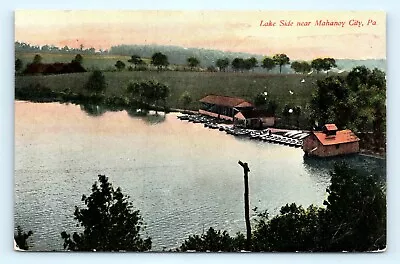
[214,241]
[37,59]
[330,103]
[317,64]
[305,66]
[96,83]
[120,65]
[186,99]
[272,105]
[369,98]
[293,229]
[148,93]
[301,66]
[109,222]
[296,66]
[281,59]
[21,238]
[238,64]
[354,220]
[297,113]
[325,64]
[136,60]
[260,101]
[193,62]
[250,63]
[328,63]
[268,63]
[159,60]
[222,64]
[357,76]
[18,65]
[78,58]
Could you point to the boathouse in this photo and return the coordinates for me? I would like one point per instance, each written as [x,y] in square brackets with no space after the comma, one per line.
[223,107]
[254,119]
[331,142]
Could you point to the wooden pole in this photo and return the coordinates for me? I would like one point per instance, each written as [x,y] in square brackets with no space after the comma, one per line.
[246,203]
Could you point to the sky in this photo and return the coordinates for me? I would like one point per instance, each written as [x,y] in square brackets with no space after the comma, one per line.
[237,31]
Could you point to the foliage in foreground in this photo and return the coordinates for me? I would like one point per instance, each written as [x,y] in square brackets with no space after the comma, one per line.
[21,238]
[214,241]
[109,222]
[354,219]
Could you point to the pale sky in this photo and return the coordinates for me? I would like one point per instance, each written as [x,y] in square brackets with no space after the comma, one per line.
[238,31]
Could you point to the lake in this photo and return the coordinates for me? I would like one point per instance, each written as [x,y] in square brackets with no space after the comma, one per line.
[182,177]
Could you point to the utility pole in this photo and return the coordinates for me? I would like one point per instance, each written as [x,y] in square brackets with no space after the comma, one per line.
[246,203]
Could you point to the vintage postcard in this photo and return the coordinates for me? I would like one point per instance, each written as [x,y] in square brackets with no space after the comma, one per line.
[200,131]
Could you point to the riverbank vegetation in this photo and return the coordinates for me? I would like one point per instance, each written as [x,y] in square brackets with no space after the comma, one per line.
[352,221]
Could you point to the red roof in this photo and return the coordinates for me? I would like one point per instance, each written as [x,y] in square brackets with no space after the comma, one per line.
[226,101]
[330,127]
[342,136]
[253,113]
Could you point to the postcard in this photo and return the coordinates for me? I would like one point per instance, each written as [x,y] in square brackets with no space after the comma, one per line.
[200,131]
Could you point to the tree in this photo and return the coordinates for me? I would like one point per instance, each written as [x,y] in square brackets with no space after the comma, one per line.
[120,65]
[136,60]
[281,59]
[110,223]
[78,58]
[159,60]
[148,93]
[328,63]
[21,238]
[250,63]
[357,76]
[96,82]
[193,62]
[297,113]
[18,65]
[37,59]
[268,63]
[354,220]
[260,101]
[222,64]
[331,102]
[214,241]
[301,66]
[325,64]
[186,99]
[238,64]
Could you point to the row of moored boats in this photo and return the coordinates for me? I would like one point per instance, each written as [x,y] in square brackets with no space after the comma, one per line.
[292,138]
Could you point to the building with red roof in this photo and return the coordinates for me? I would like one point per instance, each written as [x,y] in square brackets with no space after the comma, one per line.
[223,107]
[254,118]
[331,142]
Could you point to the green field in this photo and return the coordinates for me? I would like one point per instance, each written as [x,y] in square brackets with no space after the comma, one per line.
[90,61]
[198,84]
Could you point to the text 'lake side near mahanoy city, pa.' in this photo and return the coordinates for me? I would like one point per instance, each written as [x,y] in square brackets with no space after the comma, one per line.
[318,23]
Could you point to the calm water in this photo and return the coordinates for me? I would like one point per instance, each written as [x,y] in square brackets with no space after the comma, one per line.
[183,177]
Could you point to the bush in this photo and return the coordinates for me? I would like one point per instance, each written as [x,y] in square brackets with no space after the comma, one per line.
[109,222]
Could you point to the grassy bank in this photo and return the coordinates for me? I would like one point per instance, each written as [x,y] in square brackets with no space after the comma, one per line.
[90,61]
[198,84]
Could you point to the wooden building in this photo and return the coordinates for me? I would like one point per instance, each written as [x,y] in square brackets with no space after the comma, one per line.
[254,118]
[331,142]
[223,107]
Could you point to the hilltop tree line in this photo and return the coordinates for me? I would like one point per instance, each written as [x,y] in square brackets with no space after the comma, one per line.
[349,221]
[26,47]
[160,60]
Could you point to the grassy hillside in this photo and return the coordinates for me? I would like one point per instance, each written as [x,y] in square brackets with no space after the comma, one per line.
[198,84]
[90,61]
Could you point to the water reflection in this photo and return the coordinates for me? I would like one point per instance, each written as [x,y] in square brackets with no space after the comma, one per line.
[365,164]
[148,116]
